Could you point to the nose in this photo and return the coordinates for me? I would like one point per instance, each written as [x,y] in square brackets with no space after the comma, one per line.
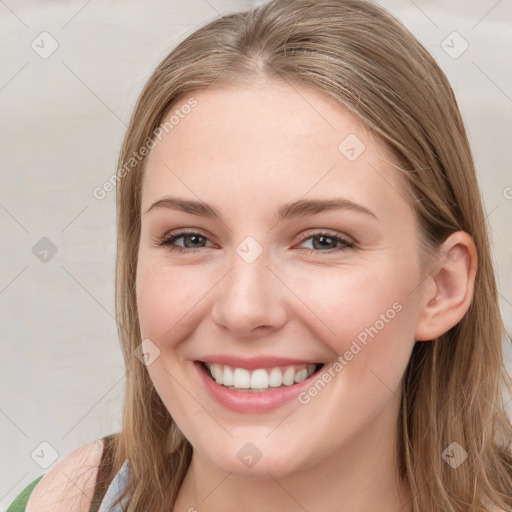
[250,299]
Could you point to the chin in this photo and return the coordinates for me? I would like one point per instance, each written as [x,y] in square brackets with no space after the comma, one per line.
[259,460]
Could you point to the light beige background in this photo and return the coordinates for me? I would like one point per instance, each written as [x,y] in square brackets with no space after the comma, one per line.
[62,122]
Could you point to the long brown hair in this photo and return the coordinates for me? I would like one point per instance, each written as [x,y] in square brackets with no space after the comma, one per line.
[357,53]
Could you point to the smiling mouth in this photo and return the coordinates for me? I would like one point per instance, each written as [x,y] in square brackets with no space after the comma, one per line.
[261,379]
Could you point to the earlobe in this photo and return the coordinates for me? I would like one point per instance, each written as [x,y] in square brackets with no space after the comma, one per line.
[448,291]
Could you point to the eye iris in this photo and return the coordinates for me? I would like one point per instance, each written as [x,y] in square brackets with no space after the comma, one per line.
[324,237]
[192,237]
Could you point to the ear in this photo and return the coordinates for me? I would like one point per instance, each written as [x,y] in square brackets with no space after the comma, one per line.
[448,289]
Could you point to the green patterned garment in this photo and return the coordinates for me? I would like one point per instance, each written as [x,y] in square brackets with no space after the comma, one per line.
[20,503]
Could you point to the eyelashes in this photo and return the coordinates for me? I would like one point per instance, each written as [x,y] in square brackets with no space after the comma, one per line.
[343,243]
[168,241]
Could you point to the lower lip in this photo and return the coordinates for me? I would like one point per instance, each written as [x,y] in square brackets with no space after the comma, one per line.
[252,402]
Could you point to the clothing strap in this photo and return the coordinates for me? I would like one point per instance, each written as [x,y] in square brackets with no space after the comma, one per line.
[105,471]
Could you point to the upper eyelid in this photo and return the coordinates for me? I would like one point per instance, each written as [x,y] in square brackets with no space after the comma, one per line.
[194,231]
[327,232]
[184,232]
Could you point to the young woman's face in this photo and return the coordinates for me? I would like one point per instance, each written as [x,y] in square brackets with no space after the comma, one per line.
[273,282]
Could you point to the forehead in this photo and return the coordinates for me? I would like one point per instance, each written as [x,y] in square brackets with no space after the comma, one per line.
[266,143]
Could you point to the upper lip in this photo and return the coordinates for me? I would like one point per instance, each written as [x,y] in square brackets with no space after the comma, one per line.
[253,363]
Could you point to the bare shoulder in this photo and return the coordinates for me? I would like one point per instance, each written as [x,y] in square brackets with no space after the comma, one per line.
[70,484]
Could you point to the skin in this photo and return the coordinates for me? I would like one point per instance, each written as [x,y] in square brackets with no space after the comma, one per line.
[247,151]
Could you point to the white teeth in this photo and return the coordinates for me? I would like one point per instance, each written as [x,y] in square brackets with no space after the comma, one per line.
[227,377]
[289,376]
[217,373]
[259,379]
[262,378]
[275,378]
[241,378]
[301,375]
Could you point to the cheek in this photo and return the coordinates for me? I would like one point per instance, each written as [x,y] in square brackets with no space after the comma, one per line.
[167,304]
[365,315]
[166,300]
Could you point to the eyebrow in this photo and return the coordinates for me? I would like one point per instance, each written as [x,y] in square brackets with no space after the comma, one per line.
[300,208]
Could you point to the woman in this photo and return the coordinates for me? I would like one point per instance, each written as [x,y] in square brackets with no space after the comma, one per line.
[362,371]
